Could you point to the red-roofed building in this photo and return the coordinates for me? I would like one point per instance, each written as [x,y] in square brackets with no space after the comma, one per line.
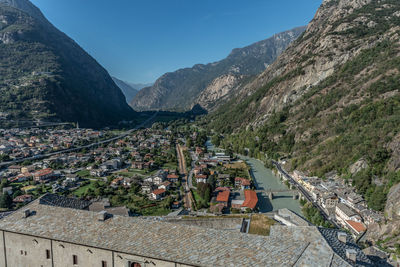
[357,227]
[43,175]
[23,199]
[201,178]
[250,200]
[223,197]
[242,183]
[173,178]
[157,194]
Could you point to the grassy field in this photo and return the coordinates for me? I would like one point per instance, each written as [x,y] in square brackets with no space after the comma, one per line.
[170,165]
[260,224]
[81,190]
[237,165]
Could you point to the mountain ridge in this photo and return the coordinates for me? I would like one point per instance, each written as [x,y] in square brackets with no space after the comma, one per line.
[179,90]
[329,101]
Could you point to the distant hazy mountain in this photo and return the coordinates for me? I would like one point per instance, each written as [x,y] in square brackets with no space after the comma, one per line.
[128,90]
[45,75]
[139,86]
[180,90]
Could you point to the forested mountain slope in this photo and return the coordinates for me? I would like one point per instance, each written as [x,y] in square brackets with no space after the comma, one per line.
[330,100]
[45,75]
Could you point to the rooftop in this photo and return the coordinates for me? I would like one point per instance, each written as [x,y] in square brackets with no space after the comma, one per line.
[251,199]
[286,246]
[223,196]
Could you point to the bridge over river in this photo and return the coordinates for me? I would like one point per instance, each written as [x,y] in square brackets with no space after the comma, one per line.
[272,193]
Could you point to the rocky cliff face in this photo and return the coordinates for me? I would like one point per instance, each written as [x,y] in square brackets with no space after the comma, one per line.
[330,102]
[218,91]
[179,90]
[45,75]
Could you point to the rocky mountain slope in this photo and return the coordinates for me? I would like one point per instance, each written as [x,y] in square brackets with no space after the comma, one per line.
[179,90]
[330,100]
[45,75]
[128,90]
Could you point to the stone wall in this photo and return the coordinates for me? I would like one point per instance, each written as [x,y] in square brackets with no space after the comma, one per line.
[28,251]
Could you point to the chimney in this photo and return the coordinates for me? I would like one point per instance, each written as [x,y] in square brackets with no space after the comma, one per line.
[27,212]
[351,254]
[102,215]
[342,237]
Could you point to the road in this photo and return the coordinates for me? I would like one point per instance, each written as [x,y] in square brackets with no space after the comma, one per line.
[304,193]
[188,198]
[38,157]
[190,179]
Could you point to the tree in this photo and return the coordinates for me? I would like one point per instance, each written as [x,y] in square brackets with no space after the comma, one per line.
[5,201]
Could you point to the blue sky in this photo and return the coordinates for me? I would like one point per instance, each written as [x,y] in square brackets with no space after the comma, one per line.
[139,40]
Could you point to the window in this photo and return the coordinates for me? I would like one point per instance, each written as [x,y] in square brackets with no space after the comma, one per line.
[134,264]
[47,254]
[22,252]
[103,264]
[74,259]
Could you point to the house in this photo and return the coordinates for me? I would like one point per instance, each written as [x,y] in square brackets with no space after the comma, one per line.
[137,165]
[165,185]
[147,187]
[116,182]
[21,177]
[242,183]
[28,188]
[157,194]
[98,172]
[223,198]
[329,201]
[175,205]
[44,175]
[250,200]
[201,178]
[197,170]
[158,179]
[223,179]
[345,213]
[199,151]
[173,178]
[23,199]
[356,227]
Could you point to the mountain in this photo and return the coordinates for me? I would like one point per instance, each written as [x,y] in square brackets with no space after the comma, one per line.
[179,90]
[329,104]
[139,86]
[128,90]
[45,75]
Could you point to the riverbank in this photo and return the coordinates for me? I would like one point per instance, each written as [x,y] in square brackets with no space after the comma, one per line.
[265,179]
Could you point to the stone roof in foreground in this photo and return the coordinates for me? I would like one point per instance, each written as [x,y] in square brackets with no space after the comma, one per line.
[286,246]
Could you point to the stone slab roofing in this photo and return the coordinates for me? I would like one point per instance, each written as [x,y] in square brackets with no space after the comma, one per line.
[65,202]
[286,246]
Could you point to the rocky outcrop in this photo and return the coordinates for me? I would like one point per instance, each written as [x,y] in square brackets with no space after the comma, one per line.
[392,208]
[218,91]
[359,165]
[179,90]
[394,147]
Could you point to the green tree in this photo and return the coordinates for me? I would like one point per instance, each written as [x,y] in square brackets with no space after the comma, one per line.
[5,201]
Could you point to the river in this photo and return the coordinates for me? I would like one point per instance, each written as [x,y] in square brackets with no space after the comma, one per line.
[264,179]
